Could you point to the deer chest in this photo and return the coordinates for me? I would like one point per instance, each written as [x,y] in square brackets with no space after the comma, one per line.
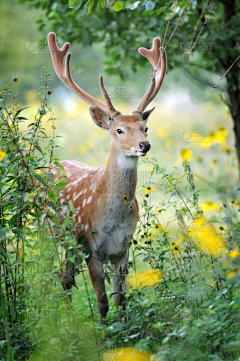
[115,233]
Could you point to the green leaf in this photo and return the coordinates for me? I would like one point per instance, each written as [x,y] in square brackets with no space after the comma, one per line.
[41,179]
[52,205]
[75,3]
[117,6]
[2,343]
[54,219]
[90,4]
[38,148]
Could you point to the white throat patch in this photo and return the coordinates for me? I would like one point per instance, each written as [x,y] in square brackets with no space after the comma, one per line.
[126,162]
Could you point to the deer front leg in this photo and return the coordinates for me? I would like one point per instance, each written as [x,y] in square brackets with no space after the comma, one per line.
[95,268]
[118,281]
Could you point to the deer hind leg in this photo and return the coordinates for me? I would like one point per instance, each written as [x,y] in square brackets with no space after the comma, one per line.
[118,282]
[95,268]
[70,270]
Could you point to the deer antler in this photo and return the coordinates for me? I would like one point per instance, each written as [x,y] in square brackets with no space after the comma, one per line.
[107,98]
[63,72]
[157,57]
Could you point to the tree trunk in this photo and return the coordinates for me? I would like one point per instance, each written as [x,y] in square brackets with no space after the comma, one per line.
[234,106]
[233,81]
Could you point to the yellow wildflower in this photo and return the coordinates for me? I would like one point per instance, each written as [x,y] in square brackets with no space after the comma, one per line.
[217,137]
[145,279]
[152,236]
[148,190]
[35,250]
[226,148]
[176,248]
[2,155]
[234,253]
[208,206]
[15,79]
[158,211]
[127,354]
[27,223]
[186,154]
[151,261]
[230,275]
[142,238]
[205,236]
[156,227]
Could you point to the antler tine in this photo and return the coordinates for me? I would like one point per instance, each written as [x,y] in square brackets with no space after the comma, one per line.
[64,73]
[107,98]
[145,100]
[157,57]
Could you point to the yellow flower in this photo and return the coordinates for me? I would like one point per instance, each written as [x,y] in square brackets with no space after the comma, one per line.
[2,155]
[142,238]
[128,354]
[151,261]
[234,253]
[217,137]
[27,223]
[220,136]
[152,236]
[186,154]
[230,275]
[208,206]
[15,79]
[148,190]
[226,148]
[145,279]
[158,211]
[205,236]
[35,250]
[156,227]
[176,248]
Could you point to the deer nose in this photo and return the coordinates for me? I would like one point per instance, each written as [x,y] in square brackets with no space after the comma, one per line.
[145,146]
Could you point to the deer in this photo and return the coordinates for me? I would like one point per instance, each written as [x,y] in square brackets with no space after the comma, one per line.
[103,197]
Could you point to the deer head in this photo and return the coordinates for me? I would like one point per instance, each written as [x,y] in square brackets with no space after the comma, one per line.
[128,132]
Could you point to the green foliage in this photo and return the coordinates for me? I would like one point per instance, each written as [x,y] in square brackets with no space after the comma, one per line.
[136,24]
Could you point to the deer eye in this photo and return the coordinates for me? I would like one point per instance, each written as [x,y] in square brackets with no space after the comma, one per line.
[146,130]
[119,131]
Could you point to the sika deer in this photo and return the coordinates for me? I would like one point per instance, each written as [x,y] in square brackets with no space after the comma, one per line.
[97,192]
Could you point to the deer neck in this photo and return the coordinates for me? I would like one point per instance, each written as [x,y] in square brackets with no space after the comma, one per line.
[121,175]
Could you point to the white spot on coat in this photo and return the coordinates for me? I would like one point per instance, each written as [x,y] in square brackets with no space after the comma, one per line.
[89,200]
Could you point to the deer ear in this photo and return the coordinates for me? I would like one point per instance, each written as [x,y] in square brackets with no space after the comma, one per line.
[101,118]
[146,115]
